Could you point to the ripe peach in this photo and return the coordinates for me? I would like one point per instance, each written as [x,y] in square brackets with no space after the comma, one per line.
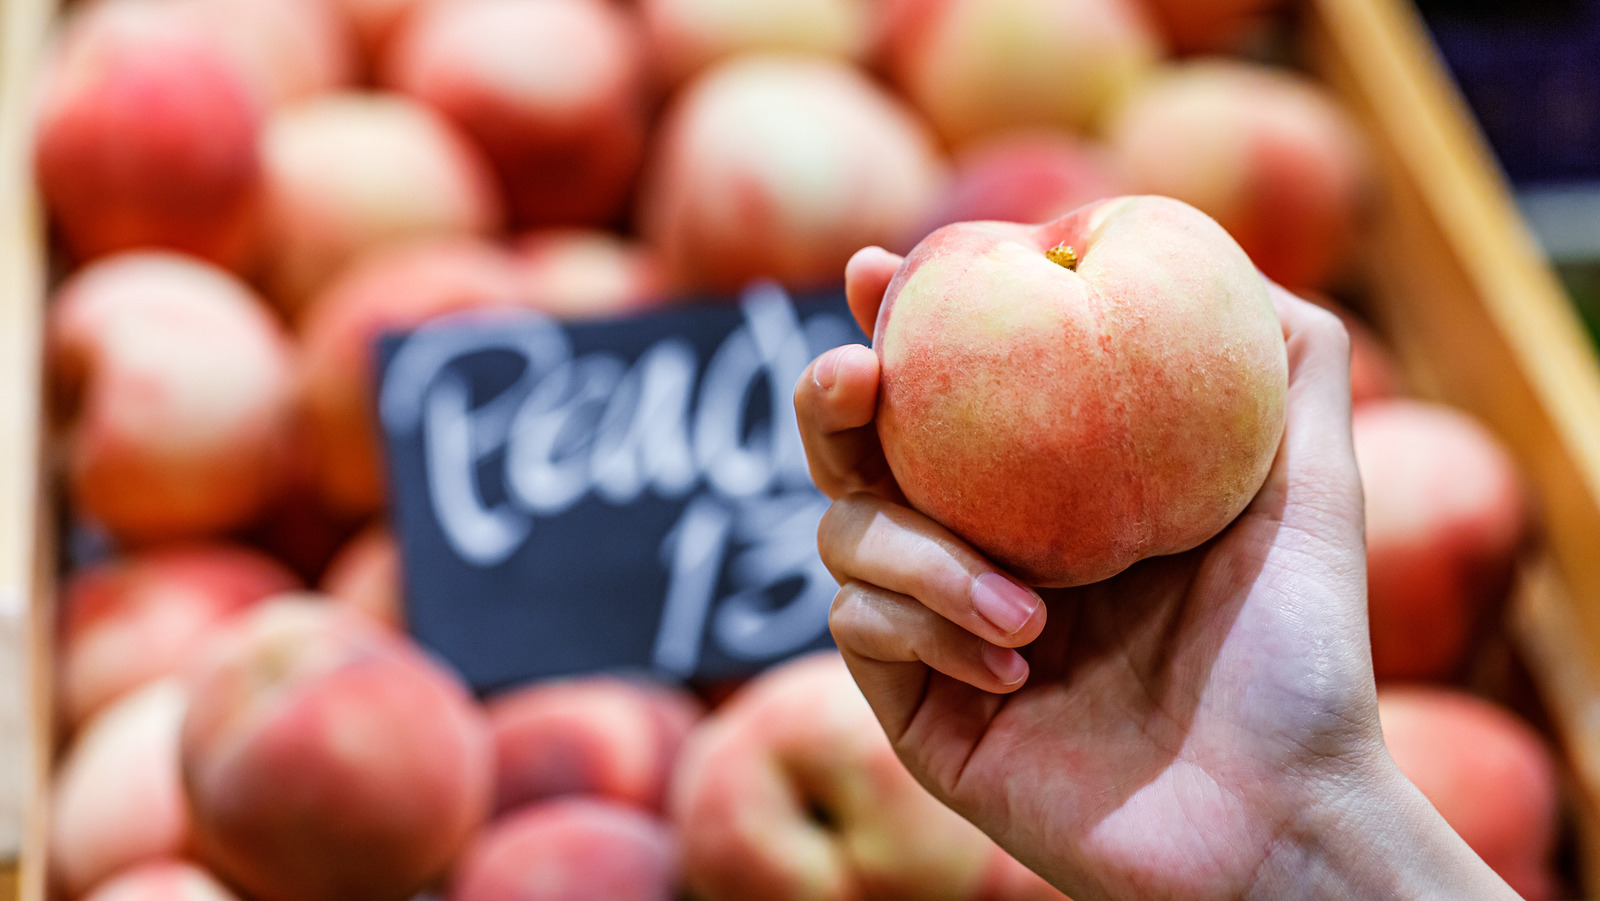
[689,35]
[117,798]
[174,380]
[348,173]
[169,880]
[365,576]
[128,622]
[1210,25]
[1487,772]
[581,274]
[579,849]
[1071,418]
[980,67]
[328,760]
[553,92]
[1025,177]
[599,736]
[147,136]
[1269,153]
[288,50]
[1445,516]
[393,290]
[781,167]
[791,791]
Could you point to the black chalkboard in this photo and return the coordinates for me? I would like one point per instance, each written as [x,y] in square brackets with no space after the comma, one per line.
[622,495]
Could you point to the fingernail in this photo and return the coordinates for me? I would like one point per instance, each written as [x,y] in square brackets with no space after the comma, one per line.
[826,372]
[1005,604]
[1006,664]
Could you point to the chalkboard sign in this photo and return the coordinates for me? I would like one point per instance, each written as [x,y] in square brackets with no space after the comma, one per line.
[623,495]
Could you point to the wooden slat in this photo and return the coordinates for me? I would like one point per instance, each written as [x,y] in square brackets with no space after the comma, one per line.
[24,578]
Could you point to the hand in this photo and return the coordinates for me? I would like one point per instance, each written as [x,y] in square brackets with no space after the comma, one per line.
[1202,726]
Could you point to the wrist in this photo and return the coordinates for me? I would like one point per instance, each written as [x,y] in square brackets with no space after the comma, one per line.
[1372,834]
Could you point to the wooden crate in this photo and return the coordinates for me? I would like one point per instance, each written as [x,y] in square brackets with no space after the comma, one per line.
[1454,280]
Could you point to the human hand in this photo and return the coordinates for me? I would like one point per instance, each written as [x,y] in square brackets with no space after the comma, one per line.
[1202,726]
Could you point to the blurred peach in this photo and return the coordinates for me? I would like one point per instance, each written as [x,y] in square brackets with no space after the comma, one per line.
[350,173]
[1211,25]
[782,167]
[1031,176]
[579,849]
[127,622]
[170,880]
[599,736]
[980,67]
[375,22]
[689,35]
[395,290]
[174,381]
[327,759]
[553,91]
[582,274]
[288,50]
[117,800]
[147,136]
[365,576]
[1268,153]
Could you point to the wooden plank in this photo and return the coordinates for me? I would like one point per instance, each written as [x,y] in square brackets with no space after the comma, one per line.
[24,575]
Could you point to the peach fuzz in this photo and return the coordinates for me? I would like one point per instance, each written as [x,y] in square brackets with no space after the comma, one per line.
[1033,176]
[173,381]
[127,622]
[147,136]
[1490,776]
[1211,25]
[326,759]
[791,791]
[1070,421]
[117,799]
[781,167]
[579,849]
[288,50]
[554,92]
[584,274]
[365,577]
[687,36]
[1446,514]
[599,736]
[163,881]
[981,67]
[1268,153]
[394,290]
[353,172]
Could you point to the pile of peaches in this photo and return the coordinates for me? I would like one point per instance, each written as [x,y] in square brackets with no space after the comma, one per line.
[243,194]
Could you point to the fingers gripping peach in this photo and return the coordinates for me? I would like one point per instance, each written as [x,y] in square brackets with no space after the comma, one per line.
[1074,397]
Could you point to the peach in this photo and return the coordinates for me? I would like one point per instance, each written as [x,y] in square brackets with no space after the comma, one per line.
[980,67]
[781,167]
[1270,154]
[128,622]
[163,881]
[689,35]
[326,759]
[598,736]
[288,50]
[174,380]
[1211,25]
[791,791]
[580,849]
[1489,775]
[397,289]
[365,576]
[117,799]
[553,91]
[1446,514]
[582,274]
[147,135]
[1074,397]
[349,173]
[1035,176]
[375,22]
